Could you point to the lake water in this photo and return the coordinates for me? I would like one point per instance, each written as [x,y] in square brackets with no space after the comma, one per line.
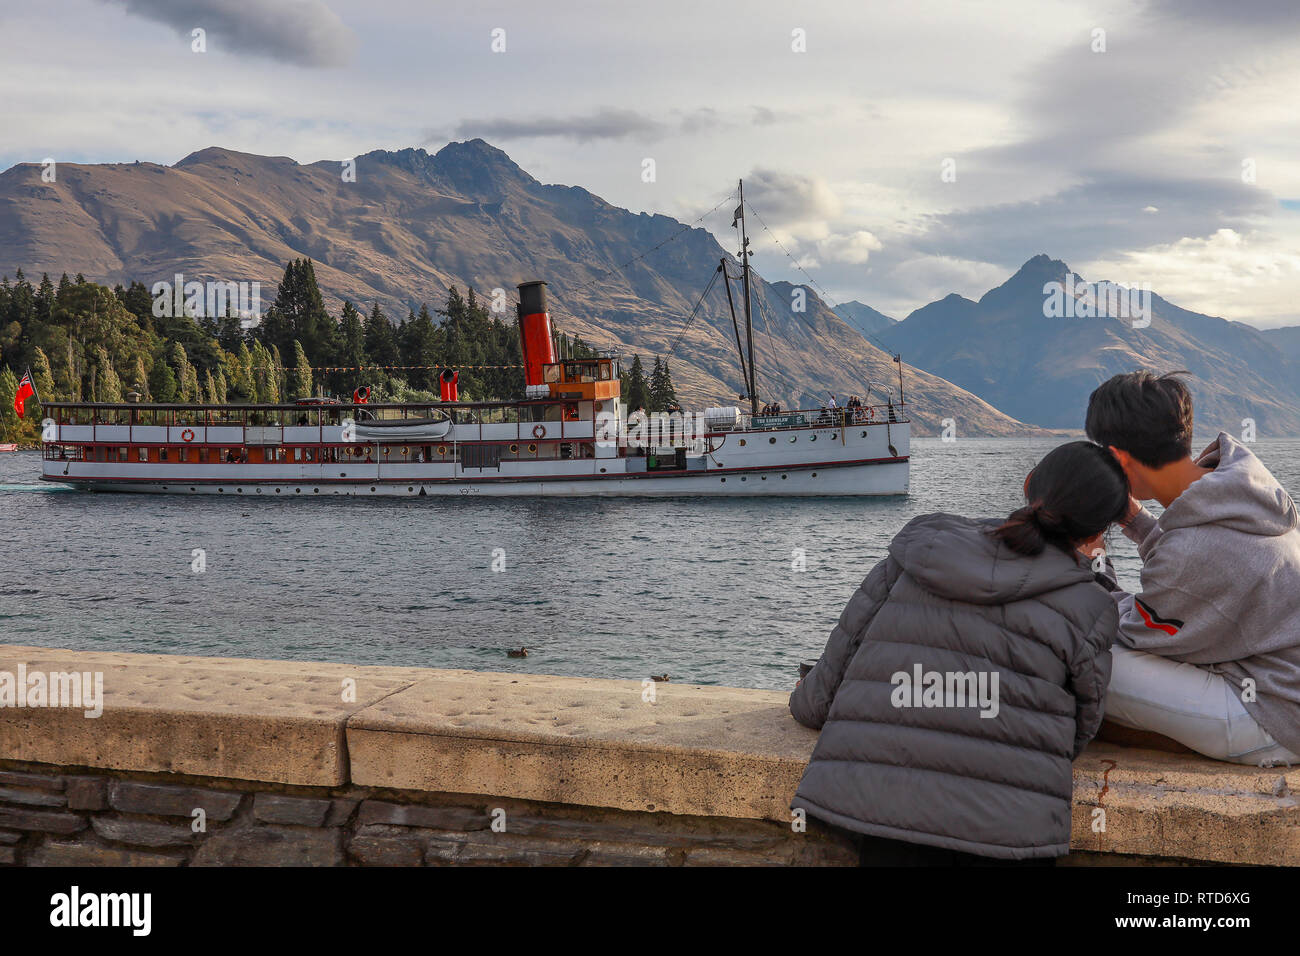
[700,589]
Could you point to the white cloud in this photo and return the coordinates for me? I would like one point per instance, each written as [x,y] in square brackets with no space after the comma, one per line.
[1248,278]
[926,278]
[854,248]
[1058,150]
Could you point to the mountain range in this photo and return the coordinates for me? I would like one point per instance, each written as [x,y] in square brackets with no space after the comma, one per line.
[412,224]
[1040,368]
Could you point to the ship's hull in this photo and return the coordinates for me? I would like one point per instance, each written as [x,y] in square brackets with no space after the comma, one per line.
[869,478]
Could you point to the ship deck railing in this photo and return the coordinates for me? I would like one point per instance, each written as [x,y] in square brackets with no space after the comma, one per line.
[893,414]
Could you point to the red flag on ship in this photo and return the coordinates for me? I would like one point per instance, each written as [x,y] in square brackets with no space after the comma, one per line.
[25,391]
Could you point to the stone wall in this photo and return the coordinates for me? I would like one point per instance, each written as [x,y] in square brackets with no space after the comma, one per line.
[332,764]
[74,817]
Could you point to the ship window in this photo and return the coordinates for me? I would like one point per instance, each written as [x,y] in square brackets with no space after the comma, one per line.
[144,454]
[203,456]
[121,454]
[162,454]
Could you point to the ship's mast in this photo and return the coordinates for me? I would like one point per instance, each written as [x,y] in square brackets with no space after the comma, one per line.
[749,319]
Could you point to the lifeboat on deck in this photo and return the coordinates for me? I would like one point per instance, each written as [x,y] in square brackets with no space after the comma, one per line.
[413,429]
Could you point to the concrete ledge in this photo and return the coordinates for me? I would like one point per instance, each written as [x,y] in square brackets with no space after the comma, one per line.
[706,752]
[1171,805]
[246,719]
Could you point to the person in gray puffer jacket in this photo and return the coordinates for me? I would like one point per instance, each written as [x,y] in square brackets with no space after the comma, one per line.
[966,674]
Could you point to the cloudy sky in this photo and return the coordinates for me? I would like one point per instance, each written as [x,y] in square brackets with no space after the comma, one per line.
[899,151]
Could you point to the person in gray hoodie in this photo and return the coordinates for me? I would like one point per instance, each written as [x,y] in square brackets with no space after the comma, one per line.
[966,674]
[1208,651]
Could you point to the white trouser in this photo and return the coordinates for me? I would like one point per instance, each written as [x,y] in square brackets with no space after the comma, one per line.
[1190,705]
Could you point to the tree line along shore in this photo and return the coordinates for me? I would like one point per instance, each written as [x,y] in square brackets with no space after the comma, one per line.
[83,341]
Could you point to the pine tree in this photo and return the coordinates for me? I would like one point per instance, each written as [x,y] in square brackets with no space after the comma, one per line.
[274,327]
[638,396]
[9,420]
[222,388]
[380,339]
[209,388]
[300,375]
[108,386]
[351,348]
[421,349]
[141,383]
[352,338]
[162,382]
[135,298]
[656,386]
[662,394]
[265,378]
[276,375]
[299,313]
[42,379]
[23,301]
[244,366]
[44,300]
[187,379]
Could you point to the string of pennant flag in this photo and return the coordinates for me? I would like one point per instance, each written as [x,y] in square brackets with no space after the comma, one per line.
[385,368]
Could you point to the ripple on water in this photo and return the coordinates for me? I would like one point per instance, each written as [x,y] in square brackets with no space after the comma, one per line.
[703,590]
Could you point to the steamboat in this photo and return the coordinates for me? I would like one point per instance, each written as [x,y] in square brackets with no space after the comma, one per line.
[571,435]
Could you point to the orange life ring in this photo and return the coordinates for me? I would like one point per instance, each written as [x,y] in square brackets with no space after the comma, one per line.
[187,435]
[442,449]
[539,431]
[868,413]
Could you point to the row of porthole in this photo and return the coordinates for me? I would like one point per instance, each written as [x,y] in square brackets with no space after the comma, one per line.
[296,491]
[795,438]
[764,477]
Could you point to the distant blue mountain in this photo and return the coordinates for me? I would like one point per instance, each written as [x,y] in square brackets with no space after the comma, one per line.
[1011,352]
[1287,339]
[864,318]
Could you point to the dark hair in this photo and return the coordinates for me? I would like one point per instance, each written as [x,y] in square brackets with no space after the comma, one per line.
[1147,415]
[1073,494]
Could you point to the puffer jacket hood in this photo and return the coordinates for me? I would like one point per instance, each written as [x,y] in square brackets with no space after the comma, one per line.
[957,558]
[1239,495]
[1013,653]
